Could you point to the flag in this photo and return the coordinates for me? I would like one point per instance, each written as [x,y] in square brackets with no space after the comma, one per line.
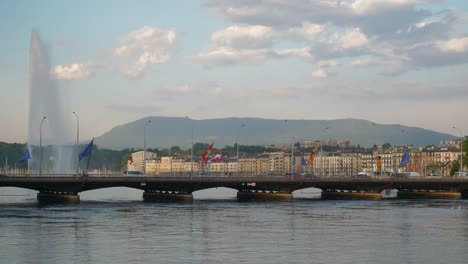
[218,157]
[86,151]
[303,161]
[312,156]
[293,160]
[405,159]
[130,159]
[379,163]
[206,153]
[25,156]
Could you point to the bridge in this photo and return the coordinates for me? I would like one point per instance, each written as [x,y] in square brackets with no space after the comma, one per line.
[66,188]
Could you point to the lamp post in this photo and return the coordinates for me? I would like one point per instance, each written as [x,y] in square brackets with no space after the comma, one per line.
[77,140]
[237,145]
[461,149]
[382,160]
[40,145]
[144,146]
[191,150]
[321,150]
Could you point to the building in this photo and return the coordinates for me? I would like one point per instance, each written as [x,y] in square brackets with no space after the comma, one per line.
[138,163]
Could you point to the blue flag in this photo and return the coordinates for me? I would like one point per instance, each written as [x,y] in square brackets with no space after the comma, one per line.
[303,160]
[405,159]
[25,156]
[87,151]
[293,160]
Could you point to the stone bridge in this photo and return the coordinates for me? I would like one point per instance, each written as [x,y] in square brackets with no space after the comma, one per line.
[56,188]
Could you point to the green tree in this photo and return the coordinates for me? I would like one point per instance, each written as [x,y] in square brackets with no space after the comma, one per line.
[386,146]
[455,168]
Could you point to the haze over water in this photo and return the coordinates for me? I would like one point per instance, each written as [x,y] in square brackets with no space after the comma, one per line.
[116,227]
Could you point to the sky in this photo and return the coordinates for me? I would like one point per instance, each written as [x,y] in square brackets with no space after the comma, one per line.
[387,61]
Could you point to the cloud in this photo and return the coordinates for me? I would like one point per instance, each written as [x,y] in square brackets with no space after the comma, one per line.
[229,56]
[325,67]
[389,31]
[149,45]
[134,54]
[454,45]
[72,72]
[363,7]
[198,88]
[308,31]
[255,36]
[320,73]
[353,38]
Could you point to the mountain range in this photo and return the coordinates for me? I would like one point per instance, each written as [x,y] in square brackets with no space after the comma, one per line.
[165,132]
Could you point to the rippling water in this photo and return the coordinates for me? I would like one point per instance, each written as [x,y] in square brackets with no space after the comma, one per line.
[115,227]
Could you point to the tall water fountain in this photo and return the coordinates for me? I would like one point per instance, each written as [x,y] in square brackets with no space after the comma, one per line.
[47,100]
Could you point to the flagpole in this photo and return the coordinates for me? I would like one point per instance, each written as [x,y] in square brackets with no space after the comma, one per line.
[462,137]
[40,145]
[144,146]
[237,145]
[89,156]
[77,141]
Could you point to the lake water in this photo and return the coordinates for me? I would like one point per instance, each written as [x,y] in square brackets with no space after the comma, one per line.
[114,226]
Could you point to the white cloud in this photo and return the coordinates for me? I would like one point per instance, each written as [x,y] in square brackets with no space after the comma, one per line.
[353,38]
[308,31]
[243,37]
[362,7]
[241,44]
[72,72]
[455,45]
[149,45]
[198,88]
[320,73]
[136,51]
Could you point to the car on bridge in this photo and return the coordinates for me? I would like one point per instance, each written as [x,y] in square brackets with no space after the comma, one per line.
[133,173]
[362,174]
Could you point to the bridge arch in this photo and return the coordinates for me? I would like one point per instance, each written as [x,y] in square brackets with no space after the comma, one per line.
[215,193]
[120,193]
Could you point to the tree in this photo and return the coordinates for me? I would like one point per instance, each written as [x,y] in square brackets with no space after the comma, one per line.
[386,146]
[455,167]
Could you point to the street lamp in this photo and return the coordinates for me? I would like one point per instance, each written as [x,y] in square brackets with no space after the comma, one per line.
[144,146]
[321,150]
[237,145]
[191,151]
[77,139]
[40,145]
[461,149]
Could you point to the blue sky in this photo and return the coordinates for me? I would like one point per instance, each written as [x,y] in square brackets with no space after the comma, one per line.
[389,61]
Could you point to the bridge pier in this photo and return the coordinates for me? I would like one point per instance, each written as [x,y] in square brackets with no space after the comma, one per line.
[427,194]
[158,196]
[58,197]
[350,195]
[465,194]
[263,196]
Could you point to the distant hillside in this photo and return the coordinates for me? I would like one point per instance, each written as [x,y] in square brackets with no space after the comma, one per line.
[176,131]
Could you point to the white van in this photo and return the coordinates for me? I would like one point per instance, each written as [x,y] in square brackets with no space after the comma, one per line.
[463,174]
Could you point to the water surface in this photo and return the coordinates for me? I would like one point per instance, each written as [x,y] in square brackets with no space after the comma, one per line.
[118,228]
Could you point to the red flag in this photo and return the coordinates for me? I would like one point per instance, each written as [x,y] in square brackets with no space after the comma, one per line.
[312,156]
[379,163]
[130,159]
[206,153]
[218,158]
